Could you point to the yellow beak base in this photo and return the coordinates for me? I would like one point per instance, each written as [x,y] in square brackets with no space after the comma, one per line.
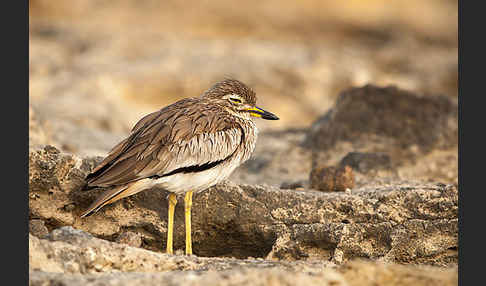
[260,113]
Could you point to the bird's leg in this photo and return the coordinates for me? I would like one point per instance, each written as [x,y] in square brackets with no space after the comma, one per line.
[187,207]
[170,222]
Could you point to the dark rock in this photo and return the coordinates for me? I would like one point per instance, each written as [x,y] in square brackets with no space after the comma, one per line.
[332,179]
[418,133]
[399,118]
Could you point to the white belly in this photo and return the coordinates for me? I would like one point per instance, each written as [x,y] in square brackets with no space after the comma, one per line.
[196,181]
[199,181]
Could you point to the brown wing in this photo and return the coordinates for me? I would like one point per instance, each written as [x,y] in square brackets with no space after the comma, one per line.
[186,134]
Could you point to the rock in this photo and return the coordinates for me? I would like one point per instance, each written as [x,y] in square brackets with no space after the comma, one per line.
[366,162]
[71,250]
[354,273]
[367,114]
[73,257]
[130,238]
[332,179]
[362,272]
[403,221]
[259,277]
[399,123]
[53,176]
[38,228]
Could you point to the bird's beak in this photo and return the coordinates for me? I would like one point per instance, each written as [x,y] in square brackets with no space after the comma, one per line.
[260,113]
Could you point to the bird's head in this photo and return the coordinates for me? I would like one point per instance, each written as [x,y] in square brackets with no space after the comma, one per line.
[237,98]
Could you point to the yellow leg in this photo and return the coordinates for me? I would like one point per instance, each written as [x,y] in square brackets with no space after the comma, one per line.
[187,208]
[170,223]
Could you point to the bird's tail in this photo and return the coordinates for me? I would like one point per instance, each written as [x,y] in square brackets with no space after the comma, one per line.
[114,195]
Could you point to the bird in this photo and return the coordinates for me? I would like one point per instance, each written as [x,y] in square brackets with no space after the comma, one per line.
[183,148]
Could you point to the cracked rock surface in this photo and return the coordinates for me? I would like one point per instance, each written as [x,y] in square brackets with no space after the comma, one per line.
[73,257]
[410,222]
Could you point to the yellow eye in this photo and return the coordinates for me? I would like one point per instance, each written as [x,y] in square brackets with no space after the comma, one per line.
[235,100]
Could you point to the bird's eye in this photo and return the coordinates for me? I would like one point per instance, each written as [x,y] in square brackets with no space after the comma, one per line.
[235,100]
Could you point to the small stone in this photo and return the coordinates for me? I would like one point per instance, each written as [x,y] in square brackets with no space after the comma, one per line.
[130,238]
[292,185]
[38,228]
[332,179]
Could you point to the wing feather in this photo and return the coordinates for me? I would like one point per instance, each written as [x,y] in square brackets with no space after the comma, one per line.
[185,134]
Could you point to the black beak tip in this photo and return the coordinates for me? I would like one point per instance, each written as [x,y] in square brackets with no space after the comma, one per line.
[270,117]
[265,114]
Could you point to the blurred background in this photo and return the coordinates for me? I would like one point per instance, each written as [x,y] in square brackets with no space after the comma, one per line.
[97,66]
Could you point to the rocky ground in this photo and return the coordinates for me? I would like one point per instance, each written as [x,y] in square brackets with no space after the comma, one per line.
[387,213]
[73,257]
[355,185]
